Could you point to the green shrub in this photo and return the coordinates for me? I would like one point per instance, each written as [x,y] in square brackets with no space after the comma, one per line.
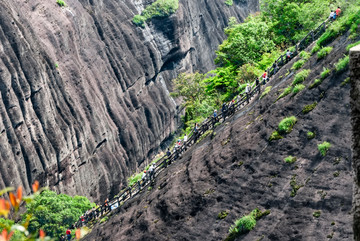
[275,136]
[158,9]
[265,92]
[308,108]
[305,55]
[298,64]
[315,49]
[229,2]
[55,213]
[315,83]
[324,147]
[301,76]
[285,92]
[317,214]
[297,88]
[286,125]
[246,223]
[290,159]
[310,135]
[139,20]
[324,52]
[342,64]
[352,45]
[325,73]
[61,3]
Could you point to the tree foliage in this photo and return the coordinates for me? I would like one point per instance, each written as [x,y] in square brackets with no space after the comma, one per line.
[55,213]
[245,43]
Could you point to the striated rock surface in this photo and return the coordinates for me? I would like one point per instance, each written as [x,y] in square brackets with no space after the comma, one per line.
[85,93]
[355,121]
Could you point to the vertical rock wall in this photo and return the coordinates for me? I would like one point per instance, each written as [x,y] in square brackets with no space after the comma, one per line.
[84,93]
[355,121]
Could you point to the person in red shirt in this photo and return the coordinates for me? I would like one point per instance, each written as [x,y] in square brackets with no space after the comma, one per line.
[338,11]
[68,234]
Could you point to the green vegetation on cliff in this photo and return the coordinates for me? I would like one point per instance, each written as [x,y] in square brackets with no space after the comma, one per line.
[158,9]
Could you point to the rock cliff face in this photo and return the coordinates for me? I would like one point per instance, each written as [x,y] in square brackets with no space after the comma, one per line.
[237,169]
[85,93]
[355,121]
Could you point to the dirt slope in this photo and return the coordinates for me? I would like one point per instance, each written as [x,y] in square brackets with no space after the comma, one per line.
[85,93]
[239,170]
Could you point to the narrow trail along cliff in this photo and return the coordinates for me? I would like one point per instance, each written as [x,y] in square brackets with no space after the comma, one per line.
[84,92]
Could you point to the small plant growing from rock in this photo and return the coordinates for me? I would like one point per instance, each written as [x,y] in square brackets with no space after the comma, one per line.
[317,214]
[286,91]
[308,108]
[324,147]
[345,82]
[229,2]
[61,3]
[305,55]
[342,64]
[324,52]
[297,88]
[336,174]
[298,64]
[275,136]
[325,73]
[315,49]
[265,92]
[223,214]
[310,135]
[287,124]
[290,159]
[245,224]
[301,76]
[295,187]
[315,83]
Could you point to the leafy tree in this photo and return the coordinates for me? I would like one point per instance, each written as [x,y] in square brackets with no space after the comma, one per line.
[246,42]
[54,213]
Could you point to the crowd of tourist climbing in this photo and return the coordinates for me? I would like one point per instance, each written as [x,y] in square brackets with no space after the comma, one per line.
[227,110]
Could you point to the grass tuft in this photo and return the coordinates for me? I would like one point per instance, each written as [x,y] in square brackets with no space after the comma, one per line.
[325,73]
[298,64]
[324,52]
[285,92]
[275,136]
[229,2]
[342,64]
[310,135]
[287,124]
[265,92]
[352,45]
[61,3]
[315,49]
[317,214]
[290,159]
[301,76]
[315,83]
[324,147]
[345,82]
[297,88]
[308,108]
